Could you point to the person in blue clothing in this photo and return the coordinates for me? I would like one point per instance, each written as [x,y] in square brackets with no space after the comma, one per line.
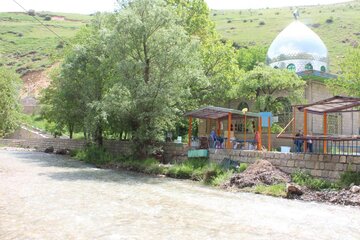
[298,142]
[216,139]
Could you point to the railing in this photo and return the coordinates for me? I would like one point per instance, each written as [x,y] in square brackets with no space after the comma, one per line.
[328,145]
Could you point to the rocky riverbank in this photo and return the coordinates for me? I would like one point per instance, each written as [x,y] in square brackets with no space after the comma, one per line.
[263,172]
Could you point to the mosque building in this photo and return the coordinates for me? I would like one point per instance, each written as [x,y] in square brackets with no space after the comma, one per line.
[299,49]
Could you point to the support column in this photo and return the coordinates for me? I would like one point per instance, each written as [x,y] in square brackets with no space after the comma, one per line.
[245,129]
[218,127]
[269,134]
[190,131]
[259,143]
[325,131]
[305,129]
[229,131]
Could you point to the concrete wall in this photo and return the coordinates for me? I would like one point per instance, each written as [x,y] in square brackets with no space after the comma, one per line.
[323,166]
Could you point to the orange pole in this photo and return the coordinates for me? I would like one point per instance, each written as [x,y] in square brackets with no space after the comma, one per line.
[259,133]
[190,131]
[229,130]
[218,127]
[269,134]
[325,132]
[245,128]
[305,129]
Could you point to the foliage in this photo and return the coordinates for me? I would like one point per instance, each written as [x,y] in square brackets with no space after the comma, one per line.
[242,167]
[263,83]
[222,178]
[305,179]
[349,80]
[95,155]
[156,63]
[277,190]
[349,177]
[9,101]
[249,58]
[276,128]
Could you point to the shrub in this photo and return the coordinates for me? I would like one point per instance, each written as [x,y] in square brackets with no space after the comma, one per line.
[329,20]
[222,178]
[47,18]
[95,155]
[349,177]
[305,179]
[261,23]
[242,167]
[229,21]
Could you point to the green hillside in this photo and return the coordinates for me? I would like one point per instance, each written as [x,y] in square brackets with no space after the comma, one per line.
[337,25]
[27,45]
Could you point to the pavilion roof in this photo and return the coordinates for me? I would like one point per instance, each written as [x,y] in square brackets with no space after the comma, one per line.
[211,112]
[336,104]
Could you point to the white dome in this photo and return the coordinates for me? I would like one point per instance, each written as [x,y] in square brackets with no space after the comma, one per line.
[298,48]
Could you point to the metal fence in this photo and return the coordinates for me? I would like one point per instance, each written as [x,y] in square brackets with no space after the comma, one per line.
[328,145]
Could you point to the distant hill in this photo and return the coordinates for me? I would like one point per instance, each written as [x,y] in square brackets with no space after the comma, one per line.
[26,45]
[337,25]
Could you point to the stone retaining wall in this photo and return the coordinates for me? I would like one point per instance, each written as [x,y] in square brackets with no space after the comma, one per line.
[172,151]
[323,166]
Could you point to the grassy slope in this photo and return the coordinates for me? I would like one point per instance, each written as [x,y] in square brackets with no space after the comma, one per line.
[27,45]
[242,26]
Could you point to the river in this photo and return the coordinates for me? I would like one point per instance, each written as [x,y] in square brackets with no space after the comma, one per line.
[46,196]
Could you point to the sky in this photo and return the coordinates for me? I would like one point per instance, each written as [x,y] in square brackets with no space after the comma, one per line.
[91,6]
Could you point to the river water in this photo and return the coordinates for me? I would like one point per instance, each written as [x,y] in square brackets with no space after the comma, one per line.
[44,196]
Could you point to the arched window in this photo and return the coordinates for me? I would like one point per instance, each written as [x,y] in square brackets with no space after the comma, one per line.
[323,68]
[308,67]
[291,67]
[243,105]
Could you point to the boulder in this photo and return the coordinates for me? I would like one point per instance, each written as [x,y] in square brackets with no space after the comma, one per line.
[293,189]
[62,151]
[49,149]
[355,189]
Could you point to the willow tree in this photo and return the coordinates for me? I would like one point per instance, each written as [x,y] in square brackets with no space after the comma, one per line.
[266,86]
[156,63]
[9,101]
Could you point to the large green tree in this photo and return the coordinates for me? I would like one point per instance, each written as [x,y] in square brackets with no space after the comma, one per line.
[349,80]
[156,63]
[249,58]
[9,101]
[266,86]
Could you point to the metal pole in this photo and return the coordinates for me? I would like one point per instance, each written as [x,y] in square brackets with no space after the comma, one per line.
[305,129]
[229,130]
[325,132]
[269,134]
[190,131]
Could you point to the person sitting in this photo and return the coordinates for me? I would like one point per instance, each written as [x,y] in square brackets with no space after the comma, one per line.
[215,140]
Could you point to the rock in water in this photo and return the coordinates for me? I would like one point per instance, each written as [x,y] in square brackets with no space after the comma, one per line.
[49,149]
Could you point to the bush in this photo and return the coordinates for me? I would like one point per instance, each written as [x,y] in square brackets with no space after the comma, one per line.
[329,20]
[47,18]
[229,21]
[349,177]
[242,167]
[95,155]
[305,179]
[261,23]
[222,178]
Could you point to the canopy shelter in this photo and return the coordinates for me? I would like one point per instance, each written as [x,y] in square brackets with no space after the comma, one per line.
[336,104]
[220,114]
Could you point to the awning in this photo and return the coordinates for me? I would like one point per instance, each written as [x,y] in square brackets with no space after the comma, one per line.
[334,104]
[211,112]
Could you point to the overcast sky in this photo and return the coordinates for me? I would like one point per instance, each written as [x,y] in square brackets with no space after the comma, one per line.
[90,6]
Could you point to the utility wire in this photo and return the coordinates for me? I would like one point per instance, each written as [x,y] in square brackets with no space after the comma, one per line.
[57,35]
